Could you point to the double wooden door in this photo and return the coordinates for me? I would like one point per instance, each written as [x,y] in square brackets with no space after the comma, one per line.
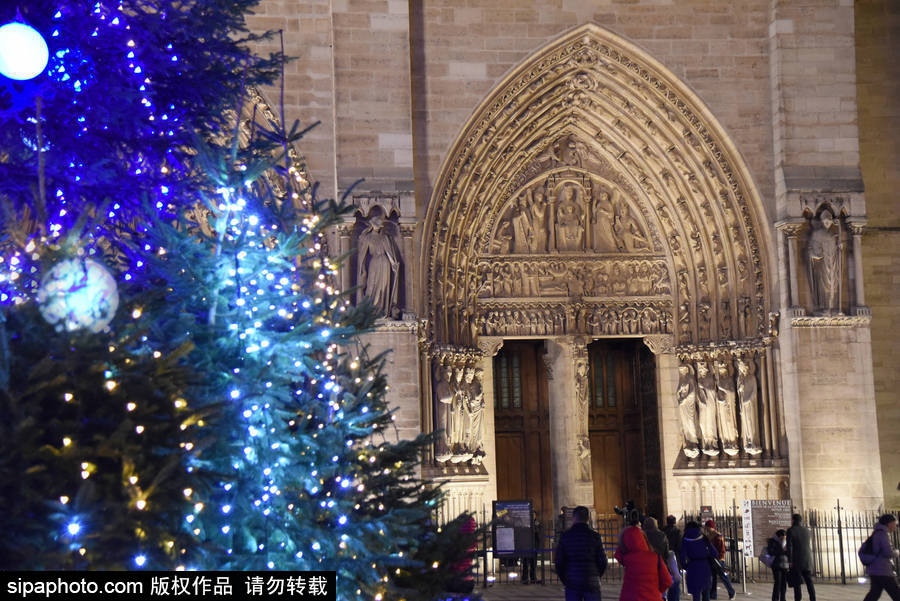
[623,427]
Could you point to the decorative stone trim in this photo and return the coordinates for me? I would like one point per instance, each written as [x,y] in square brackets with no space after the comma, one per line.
[863,318]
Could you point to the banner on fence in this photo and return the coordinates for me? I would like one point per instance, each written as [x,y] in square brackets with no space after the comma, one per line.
[760,521]
[513,528]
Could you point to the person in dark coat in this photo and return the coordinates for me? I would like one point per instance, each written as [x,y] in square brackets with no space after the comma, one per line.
[775,547]
[800,557]
[696,551]
[673,534]
[881,570]
[581,559]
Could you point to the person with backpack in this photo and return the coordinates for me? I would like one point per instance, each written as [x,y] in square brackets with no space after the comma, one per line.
[647,576]
[799,557]
[718,568]
[878,559]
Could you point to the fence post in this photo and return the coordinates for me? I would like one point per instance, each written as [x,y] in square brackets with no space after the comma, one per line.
[841,543]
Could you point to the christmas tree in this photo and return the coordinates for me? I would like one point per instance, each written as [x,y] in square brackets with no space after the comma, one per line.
[181,385]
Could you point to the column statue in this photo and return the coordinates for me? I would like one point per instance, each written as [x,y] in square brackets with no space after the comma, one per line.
[726,407]
[747,397]
[687,409]
[459,428]
[475,442]
[706,404]
[444,393]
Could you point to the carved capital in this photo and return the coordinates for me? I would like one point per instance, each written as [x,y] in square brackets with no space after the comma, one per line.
[790,227]
[659,343]
[857,225]
[490,345]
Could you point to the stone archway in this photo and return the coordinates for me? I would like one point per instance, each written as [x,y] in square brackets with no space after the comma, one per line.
[597,115]
[592,194]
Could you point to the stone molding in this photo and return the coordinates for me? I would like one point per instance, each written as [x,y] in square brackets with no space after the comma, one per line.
[862,319]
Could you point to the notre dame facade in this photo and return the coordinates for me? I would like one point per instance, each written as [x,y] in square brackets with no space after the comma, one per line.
[622,249]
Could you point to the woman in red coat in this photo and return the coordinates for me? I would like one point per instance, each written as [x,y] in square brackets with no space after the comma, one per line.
[646,574]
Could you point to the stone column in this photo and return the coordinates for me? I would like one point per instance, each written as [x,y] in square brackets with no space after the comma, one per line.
[567,489]
[790,296]
[856,226]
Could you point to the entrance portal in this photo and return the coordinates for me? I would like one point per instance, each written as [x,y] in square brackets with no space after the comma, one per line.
[623,427]
[522,426]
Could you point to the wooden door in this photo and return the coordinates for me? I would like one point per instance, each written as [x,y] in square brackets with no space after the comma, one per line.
[522,426]
[615,425]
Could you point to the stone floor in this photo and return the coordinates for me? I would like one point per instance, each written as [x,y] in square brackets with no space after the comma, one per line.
[761,591]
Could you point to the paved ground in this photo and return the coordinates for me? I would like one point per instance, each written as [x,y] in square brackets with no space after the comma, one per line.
[755,591]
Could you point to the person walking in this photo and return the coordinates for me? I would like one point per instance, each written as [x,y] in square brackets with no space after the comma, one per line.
[799,558]
[580,559]
[673,534]
[775,547]
[881,570]
[696,551]
[718,567]
[646,575]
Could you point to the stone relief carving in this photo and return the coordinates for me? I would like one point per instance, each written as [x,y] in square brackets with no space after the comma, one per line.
[459,404]
[823,255]
[378,265]
[559,319]
[509,277]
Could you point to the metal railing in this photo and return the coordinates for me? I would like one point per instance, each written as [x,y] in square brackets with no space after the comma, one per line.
[835,538]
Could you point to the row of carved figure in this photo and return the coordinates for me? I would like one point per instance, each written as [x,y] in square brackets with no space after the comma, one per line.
[568,219]
[719,409]
[459,409]
[510,278]
[557,320]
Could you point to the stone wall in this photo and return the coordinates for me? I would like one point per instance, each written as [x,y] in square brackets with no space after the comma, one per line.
[878,90]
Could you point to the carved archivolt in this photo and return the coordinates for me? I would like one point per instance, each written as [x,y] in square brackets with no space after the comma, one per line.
[591,180]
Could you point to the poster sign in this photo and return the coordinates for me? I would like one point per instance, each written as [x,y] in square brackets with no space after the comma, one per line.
[513,528]
[706,513]
[760,521]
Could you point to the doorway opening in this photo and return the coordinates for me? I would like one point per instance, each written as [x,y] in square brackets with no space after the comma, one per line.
[522,426]
[624,426]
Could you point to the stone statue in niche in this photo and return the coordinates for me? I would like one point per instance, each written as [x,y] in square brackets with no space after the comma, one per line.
[569,219]
[459,427]
[747,397]
[726,407]
[537,206]
[706,405]
[475,443]
[521,226]
[378,266]
[687,409]
[823,254]
[444,393]
[604,239]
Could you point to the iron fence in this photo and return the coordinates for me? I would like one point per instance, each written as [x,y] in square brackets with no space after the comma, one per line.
[835,538]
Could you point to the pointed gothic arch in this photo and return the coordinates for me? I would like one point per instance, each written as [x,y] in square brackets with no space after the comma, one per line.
[594,193]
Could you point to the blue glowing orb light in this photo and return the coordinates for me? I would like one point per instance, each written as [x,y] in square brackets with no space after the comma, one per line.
[78,294]
[23,51]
